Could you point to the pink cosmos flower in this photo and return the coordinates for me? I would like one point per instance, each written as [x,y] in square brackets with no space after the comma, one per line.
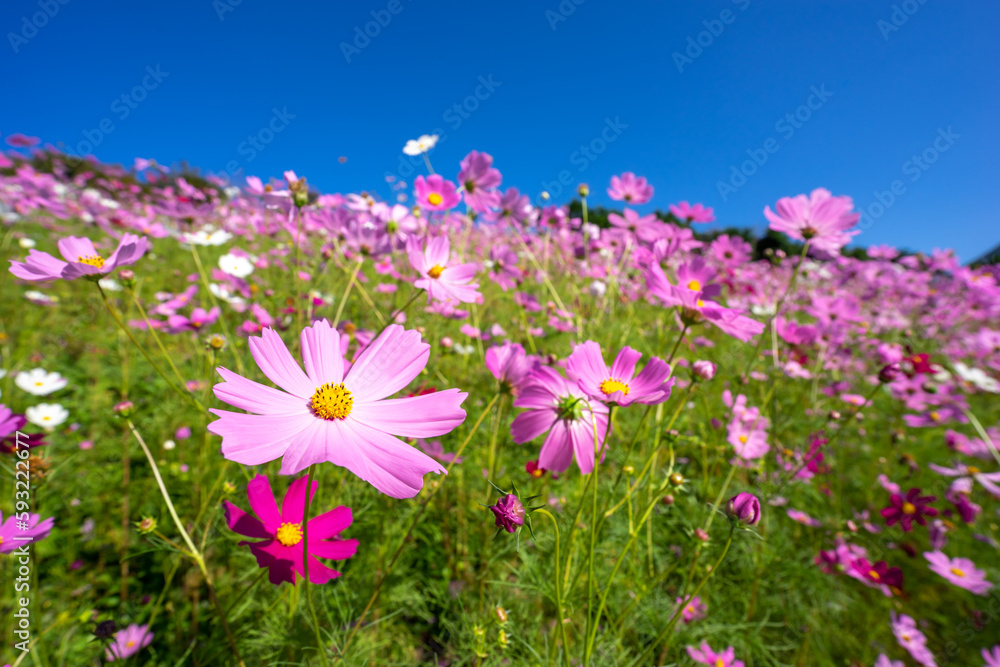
[436,450]
[694,610]
[10,424]
[509,364]
[619,384]
[505,271]
[705,655]
[82,259]
[442,282]
[803,518]
[128,642]
[326,414]
[280,549]
[697,213]
[991,658]
[13,537]
[965,475]
[559,408]
[434,193]
[884,661]
[199,319]
[479,179]
[960,571]
[731,250]
[822,219]
[912,639]
[629,188]
[647,228]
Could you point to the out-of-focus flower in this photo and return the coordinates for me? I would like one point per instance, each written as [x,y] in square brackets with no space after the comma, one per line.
[128,642]
[744,508]
[46,415]
[960,571]
[421,145]
[82,259]
[39,382]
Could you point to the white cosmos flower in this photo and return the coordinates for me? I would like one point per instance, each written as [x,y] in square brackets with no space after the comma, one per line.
[169,444]
[25,242]
[236,265]
[977,378]
[207,236]
[46,415]
[421,145]
[110,284]
[39,382]
[221,292]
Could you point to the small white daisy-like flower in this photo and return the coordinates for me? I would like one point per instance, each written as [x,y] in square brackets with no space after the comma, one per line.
[46,415]
[39,382]
[25,242]
[977,378]
[236,265]
[169,444]
[421,145]
[207,237]
[110,284]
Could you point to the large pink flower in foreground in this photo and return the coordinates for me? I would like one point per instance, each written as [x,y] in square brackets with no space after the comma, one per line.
[617,384]
[442,282]
[281,549]
[82,259]
[820,218]
[327,415]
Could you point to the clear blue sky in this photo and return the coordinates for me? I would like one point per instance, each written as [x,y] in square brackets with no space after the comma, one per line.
[891,91]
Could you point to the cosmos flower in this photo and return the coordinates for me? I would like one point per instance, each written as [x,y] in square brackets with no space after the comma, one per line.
[280,532]
[327,414]
[694,610]
[421,145]
[128,642]
[240,266]
[685,212]
[630,189]
[40,382]
[13,536]
[509,364]
[442,282]
[46,415]
[912,639]
[705,655]
[822,219]
[434,193]
[509,512]
[479,180]
[82,259]
[619,384]
[991,657]
[960,571]
[907,509]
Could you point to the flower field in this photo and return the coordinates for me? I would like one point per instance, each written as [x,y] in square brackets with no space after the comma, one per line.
[272,426]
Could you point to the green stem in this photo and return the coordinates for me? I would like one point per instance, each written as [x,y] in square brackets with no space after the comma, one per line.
[347,291]
[559,602]
[320,645]
[159,342]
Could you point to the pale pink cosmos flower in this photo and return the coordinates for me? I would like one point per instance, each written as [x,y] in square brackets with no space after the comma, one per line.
[694,610]
[884,661]
[966,475]
[325,414]
[960,571]
[82,259]
[911,638]
[128,642]
[697,213]
[442,282]
[619,384]
[822,219]
[705,655]
[631,189]
[991,657]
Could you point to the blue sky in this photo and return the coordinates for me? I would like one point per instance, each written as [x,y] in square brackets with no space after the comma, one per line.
[685,93]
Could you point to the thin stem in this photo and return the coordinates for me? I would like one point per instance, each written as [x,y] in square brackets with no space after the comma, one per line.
[396,313]
[347,291]
[215,302]
[320,646]
[156,339]
[559,604]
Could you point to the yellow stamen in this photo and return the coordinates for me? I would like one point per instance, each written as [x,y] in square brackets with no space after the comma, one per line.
[701,304]
[973,470]
[936,416]
[92,260]
[611,385]
[435,271]
[332,401]
[434,199]
[694,286]
[130,644]
[909,508]
[289,534]
[720,663]
[743,439]
[39,384]
[957,572]
[873,574]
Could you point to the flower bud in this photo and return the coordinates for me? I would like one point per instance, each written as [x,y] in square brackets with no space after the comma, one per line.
[146,526]
[700,534]
[889,372]
[446,342]
[124,409]
[105,629]
[744,508]
[509,513]
[676,479]
[703,370]
[127,277]
[583,189]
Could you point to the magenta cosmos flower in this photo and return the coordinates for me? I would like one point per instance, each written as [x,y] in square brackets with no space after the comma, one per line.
[128,642]
[909,508]
[281,549]
[619,384]
[326,414]
[561,409]
[688,213]
[82,259]
[509,512]
[960,571]
[479,180]
[705,655]
[442,282]
[822,219]
[434,193]
[13,537]
[631,189]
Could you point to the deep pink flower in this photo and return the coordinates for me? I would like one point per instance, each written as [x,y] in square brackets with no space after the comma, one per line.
[822,219]
[128,642]
[628,188]
[281,549]
[434,193]
[705,655]
[12,536]
[559,408]
[509,512]
[744,508]
[82,259]
[879,575]
[442,282]
[330,415]
[619,384]
[199,319]
[685,212]
[960,571]
[478,180]
[10,424]
[906,510]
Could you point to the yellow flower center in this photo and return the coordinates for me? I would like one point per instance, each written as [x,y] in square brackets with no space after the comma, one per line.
[611,385]
[873,574]
[130,643]
[743,439]
[435,271]
[289,534]
[720,663]
[694,286]
[957,572]
[434,199]
[701,304]
[909,508]
[973,470]
[332,401]
[39,384]
[92,260]
[936,416]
